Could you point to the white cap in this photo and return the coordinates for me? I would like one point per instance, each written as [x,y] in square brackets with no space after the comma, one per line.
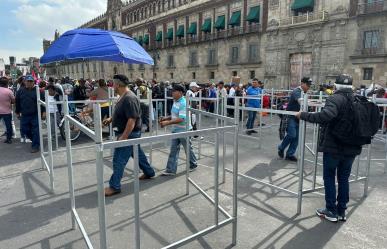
[193,84]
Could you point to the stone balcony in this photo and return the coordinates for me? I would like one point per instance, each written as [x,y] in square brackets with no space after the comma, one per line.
[371,8]
[307,18]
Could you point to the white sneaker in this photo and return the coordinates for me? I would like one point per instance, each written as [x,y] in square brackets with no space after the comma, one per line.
[22,140]
[28,140]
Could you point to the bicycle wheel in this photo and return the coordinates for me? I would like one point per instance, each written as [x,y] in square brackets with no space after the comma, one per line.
[75,132]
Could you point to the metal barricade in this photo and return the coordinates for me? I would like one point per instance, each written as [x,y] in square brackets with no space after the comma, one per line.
[301,162]
[100,146]
[47,157]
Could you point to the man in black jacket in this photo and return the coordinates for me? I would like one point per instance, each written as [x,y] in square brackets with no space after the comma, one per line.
[27,111]
[79,92]
[336,156]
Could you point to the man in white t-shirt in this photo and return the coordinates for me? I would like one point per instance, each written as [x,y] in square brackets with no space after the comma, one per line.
[193,93]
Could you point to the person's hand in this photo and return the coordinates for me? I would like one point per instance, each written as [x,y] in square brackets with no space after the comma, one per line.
[298,115]
[161,119]
[122,137]
[107,121]
[43,115]
[164,123]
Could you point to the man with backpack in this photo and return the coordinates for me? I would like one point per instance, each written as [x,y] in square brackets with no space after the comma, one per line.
[347,122]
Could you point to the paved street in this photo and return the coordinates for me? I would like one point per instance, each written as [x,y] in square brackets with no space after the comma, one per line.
[31,217]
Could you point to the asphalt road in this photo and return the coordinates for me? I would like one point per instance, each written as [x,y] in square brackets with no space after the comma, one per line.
[32,217]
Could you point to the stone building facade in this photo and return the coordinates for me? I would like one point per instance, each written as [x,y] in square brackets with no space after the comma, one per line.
[278,41]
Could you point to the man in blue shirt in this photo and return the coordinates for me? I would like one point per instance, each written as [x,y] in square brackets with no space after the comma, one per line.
[291,138]
[211,94]
[178,120]
[255,90]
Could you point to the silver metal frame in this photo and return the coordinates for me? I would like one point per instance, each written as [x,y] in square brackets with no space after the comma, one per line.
[301,162]
[100,146]
[47,157]
[47,165]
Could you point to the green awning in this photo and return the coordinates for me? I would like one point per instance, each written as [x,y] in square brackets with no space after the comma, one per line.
[192,29]
[140,40]
[146,39]
[235,19]
[220,22]
[170,34]
[302,4]
[254,14]
[207,25]
[159,36]
[180,31]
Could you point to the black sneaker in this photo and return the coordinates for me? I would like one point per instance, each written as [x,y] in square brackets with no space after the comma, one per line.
[248,133]
[281,154]
[342,217]
[326,214]
[253,131]
[191,169]
[291,158]
[8,141]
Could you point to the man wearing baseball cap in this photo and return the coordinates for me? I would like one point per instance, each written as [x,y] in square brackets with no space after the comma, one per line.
[178,120]
[338,156]
[291,138]
[126,122]
[27,111]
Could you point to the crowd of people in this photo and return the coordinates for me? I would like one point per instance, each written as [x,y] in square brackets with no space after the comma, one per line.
[130,114]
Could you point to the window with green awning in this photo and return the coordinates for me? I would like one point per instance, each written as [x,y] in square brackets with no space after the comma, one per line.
[207,25]
[180,31]
[220,22]
[254,14]
[302,4]
[159,36]
[235,19]
[146,39]
[192,29]
[170,34]
[140,40]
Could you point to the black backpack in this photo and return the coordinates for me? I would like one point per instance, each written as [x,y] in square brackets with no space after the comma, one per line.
[358,123]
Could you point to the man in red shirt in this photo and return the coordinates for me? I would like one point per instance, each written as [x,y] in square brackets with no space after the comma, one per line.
[6,101]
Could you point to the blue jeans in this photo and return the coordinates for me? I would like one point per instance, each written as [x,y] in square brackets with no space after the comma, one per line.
[291,138]
[7,118]
[174,155]
[343,166]
[251,119]
[121,157]
[30,127]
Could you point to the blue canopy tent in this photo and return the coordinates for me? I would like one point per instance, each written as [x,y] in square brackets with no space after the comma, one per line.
[96,44]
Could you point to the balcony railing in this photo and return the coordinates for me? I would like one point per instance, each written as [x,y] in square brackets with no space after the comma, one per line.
[373,7]
[309,17]
[372,51]
[192,39]
[217,34]
[253,28]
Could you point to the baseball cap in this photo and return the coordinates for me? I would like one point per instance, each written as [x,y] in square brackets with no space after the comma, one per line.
[178,87]
[29,78]
[307,80]
[344,79]
[194,84]
[121,78]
